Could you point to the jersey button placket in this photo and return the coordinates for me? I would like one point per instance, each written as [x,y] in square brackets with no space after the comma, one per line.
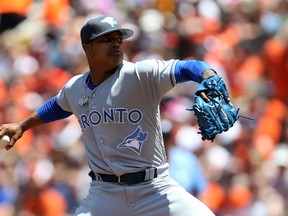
[93,107]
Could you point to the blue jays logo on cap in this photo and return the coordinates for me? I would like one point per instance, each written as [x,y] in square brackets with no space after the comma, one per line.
[134,141]
[110,20]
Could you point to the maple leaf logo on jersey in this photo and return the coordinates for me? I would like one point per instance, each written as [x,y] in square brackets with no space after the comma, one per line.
[134,141]
[110,20]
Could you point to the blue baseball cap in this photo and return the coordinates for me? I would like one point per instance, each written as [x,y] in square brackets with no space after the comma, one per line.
[101,25]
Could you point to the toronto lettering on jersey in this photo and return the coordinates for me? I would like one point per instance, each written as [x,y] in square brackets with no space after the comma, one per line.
[111,115]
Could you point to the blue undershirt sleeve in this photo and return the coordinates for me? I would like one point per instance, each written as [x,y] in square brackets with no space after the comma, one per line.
[51,111]
[190,70]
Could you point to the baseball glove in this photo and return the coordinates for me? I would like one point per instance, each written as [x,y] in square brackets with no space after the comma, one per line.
[218,114]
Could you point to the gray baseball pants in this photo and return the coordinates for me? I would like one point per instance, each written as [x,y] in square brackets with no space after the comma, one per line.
[161,196]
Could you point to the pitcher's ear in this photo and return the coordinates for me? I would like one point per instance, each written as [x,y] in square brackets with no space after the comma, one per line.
[85,46]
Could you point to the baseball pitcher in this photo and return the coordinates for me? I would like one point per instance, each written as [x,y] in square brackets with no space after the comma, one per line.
[117,105]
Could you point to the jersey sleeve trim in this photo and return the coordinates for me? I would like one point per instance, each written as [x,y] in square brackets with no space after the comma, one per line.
[172,78]
[190,70]
[51,111]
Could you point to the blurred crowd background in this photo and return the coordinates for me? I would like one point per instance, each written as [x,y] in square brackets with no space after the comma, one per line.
[243,172]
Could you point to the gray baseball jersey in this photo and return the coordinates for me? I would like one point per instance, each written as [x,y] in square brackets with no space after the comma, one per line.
[120,118]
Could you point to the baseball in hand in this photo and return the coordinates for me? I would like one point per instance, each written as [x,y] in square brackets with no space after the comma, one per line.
[4,141]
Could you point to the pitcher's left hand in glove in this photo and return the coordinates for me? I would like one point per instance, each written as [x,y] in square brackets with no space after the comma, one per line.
[218,114]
